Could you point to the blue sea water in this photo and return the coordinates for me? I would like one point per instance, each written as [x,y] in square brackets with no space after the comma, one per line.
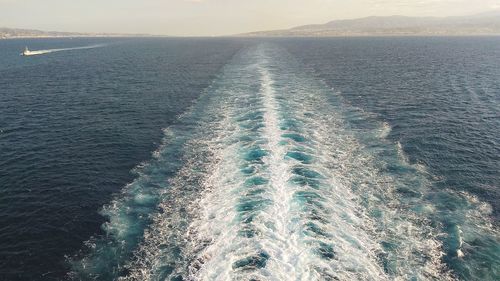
[250,159]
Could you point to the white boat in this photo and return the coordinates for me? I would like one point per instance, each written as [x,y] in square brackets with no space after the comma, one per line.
[26,52]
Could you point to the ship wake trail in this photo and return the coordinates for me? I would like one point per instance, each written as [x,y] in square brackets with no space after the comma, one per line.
[48,51]
[289,193]
[272,183]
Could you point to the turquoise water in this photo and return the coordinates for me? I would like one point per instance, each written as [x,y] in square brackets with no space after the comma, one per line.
[287,166]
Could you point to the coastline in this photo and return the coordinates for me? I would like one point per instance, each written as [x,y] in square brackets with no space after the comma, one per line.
[82,36]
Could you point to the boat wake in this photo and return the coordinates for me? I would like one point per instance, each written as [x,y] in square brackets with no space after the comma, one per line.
[48,51]
[264,179]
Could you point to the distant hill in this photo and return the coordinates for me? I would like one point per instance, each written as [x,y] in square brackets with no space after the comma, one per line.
[6,33]
[480,24]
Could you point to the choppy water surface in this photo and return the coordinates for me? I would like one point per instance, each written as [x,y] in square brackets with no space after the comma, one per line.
[290,159]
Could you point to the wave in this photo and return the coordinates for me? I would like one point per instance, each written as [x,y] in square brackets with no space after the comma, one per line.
[265,179]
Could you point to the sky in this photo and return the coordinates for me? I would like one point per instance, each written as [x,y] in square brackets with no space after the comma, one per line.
[213,17]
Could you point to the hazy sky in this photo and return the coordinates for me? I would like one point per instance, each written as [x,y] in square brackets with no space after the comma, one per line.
[212,17]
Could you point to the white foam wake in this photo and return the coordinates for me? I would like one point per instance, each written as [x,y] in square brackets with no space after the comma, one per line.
[276,235]
[285,191]
[318,239]
[48,51]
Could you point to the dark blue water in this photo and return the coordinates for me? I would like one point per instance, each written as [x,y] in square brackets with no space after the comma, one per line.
[72,126]
[220,159]
[439,95]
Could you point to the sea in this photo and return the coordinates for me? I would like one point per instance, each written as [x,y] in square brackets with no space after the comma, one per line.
[371,158]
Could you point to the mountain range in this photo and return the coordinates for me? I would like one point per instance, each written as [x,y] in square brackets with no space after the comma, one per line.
[479,24]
